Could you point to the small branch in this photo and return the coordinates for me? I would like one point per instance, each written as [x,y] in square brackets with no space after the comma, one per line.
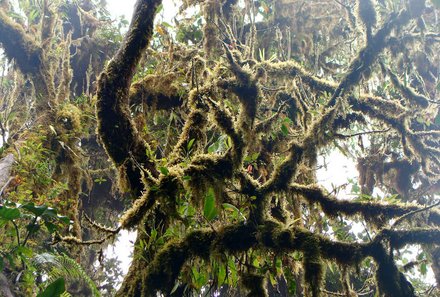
[74,240]
[101,227]
[361,133]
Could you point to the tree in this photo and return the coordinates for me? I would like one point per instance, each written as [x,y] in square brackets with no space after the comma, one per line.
[215,134]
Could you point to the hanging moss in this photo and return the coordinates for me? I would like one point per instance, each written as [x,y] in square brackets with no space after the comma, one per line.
[391,282]
[313,267]
[366,10]
[247,90]
[255,284]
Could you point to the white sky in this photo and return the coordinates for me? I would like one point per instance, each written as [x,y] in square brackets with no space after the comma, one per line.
[125,7]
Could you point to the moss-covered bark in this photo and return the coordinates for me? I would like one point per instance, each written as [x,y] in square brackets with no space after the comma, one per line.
[115,127]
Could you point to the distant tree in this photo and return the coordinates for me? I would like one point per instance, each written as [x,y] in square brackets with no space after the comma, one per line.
[214,126]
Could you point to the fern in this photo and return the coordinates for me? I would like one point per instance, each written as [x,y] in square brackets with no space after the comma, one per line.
[62,266]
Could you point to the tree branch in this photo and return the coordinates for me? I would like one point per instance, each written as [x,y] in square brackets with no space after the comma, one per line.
[115,126]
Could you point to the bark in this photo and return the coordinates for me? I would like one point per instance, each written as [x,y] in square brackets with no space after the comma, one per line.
[5,287]
[29,57]
[115,126]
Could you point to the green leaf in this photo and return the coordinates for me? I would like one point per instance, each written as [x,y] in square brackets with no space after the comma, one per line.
[230,207]
[9,214]
[159,8]
[51,227]
[25,251]
[55,289]
[423,269]
[63,219]
[190,144]
[50,213]
[284,130]
[209,210]
[164,170]
[36,210]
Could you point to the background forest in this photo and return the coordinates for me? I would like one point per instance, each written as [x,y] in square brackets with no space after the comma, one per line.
[205,134]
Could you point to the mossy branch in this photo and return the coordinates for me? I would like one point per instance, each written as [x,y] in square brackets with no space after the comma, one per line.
[214,167]
[164,270]
[19,45]
[115,127]
[157,92]
[28,55]
[246,89]
[407,92]
[368,55]
[369,210]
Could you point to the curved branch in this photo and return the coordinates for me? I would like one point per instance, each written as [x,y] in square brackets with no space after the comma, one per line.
[19,45]
[115,127]
[28,55]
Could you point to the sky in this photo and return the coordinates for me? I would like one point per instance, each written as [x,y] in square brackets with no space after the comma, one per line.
[125,7]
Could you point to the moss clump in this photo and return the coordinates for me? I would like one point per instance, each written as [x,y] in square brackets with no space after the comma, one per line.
[163,271]
[367,13]
[313,267]
[157,91]
[391,282]
[256,284]
[68,119]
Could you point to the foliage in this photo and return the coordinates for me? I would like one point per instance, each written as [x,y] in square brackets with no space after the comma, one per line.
[214,124]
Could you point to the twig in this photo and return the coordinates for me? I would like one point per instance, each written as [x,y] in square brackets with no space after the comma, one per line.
[360,133]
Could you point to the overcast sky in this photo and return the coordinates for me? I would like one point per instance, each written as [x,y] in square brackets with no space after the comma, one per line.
[125,7]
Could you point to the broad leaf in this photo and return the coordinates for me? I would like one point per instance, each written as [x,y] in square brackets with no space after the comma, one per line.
[9,214]
[210,211]
[55,289]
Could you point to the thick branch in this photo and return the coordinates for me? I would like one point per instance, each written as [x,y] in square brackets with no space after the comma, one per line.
[18,45]
[333,207]
[157,92]
[164,270]
[115,127]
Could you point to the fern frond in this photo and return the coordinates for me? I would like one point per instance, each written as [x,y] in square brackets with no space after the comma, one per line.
[61,265]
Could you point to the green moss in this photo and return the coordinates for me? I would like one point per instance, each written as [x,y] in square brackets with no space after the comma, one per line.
[255,284]
[163,271]
[313,267]
[391,282]
[68,119]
